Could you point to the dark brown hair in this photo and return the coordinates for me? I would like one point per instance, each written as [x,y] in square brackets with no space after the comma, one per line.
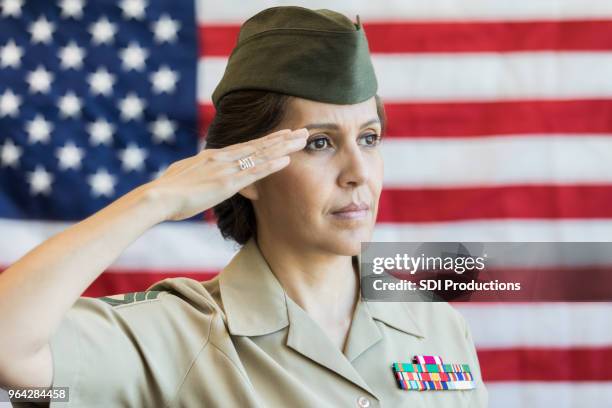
[242,116]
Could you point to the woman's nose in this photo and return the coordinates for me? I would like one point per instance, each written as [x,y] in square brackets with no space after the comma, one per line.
[353,168]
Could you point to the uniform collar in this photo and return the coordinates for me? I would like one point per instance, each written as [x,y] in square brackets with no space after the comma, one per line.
[253,299]
[256,304]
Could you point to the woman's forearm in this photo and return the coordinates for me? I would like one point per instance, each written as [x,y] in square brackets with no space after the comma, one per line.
[37,290]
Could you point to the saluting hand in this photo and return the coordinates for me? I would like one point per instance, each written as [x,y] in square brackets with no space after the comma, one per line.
[197,183]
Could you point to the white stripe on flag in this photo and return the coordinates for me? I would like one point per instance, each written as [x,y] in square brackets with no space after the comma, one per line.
[497,161]
[170,246]
[549,394]
[509,325]
[210,11]
[594,230]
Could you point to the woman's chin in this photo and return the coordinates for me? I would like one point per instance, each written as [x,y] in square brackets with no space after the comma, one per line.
[348,242]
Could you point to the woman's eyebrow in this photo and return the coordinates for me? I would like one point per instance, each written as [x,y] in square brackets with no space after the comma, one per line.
[335,126]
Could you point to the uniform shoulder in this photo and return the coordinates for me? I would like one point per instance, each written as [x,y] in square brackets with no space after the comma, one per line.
[161,331]
[185,291]
[163,307]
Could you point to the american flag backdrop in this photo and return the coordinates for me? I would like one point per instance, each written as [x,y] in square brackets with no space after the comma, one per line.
[499,129]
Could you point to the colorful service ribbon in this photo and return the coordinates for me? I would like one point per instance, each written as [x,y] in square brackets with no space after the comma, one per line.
[431,373]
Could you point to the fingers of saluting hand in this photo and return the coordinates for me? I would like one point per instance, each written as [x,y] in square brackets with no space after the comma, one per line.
[266,148]
[270,159]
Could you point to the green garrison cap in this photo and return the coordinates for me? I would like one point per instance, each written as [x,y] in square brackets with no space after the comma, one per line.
[314,54]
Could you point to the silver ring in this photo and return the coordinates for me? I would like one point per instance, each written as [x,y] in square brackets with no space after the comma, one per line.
[246,162]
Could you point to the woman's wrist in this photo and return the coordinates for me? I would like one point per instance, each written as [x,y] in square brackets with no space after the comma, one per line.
[148,198]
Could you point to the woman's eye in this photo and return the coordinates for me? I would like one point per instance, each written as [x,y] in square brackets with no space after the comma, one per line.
[318,143]
[321,143]
[371,139]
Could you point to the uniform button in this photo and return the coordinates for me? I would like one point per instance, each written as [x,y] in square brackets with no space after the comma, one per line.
[363,402]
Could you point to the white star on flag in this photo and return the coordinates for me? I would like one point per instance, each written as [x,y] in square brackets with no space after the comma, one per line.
[40,80]
[165,29]
[72,8]
[132,157]
[162,130]
[133,9]
[10,55]
[10,154]
[39,130]
[100,132]
[70,105]
[133,57]
[101,82]
[164,80]
[102,31]
[9,103]
[102,183]
[131,107]
[40,181]
[42,30]
[11,8]
[71,56]
[69,156]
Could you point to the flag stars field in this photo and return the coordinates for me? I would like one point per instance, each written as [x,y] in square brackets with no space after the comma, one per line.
[89,102]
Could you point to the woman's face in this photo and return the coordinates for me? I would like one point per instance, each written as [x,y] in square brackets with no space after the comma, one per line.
[341,164]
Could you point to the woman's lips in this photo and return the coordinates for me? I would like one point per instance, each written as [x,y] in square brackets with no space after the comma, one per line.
[351,215]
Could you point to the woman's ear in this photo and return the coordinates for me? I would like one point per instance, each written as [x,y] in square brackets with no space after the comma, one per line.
[251,192]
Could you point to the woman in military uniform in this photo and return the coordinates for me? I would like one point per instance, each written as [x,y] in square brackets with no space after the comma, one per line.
[293,171]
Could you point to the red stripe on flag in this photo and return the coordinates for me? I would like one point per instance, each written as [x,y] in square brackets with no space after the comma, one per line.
[435,37]
[217,40]
[498,118]
[519,202]
[546,364]
[504,36]
[461,119]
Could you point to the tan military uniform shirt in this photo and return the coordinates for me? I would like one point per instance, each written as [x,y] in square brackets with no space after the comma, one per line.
[239,341]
